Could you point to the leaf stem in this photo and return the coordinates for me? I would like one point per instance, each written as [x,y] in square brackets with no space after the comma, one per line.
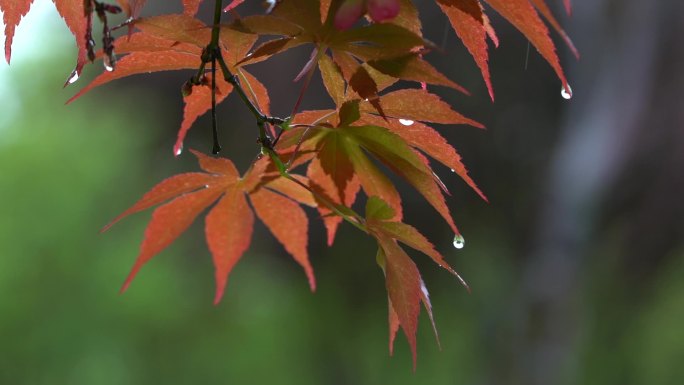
[351,216]
[213,53]
[214,124]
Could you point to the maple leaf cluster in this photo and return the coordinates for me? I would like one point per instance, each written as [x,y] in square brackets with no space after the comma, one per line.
[339,150]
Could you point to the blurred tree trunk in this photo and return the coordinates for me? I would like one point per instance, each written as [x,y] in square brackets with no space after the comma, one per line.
[627,108]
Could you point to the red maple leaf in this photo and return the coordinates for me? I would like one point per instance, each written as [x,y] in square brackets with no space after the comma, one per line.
[175,42]
[72,11]
[229,223]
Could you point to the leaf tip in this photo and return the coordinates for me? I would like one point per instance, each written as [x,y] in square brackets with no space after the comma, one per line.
[221,280]
[129,279]
[106,227]
[312,279]
[219,294]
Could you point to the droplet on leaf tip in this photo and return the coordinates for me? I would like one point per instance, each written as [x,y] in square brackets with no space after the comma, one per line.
[73,77]
[459,241]
[406,122]
[178,150]
[452,170]
[566,93]
[270,4]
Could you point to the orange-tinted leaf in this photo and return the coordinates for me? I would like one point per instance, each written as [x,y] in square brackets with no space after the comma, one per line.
[143,62]
[197,104]
[374,182]
[12,12]
[228,229]
[349,112]
[233,4]
[393,325]
[236,43]
[429,141]
[256,90]
[288,223]
[364,85]
[190,7]
[293,190]
[270,48]
[266,25]
[413,67]
[256,174]
[305,13]
[335,162]
[132,8]
[165,190]
[425,298]
[411,237]
[168,222]
[314,117]
[490,30]
[376,41]
[378,210]
[546,12]
[218,166]
[324,9]
[73,13]
[332,79]
[466,19]
[177,27]
[403,286]
[396,154]
[420,105]
[524,17]
[379,220]
[392,317]
[324,184]
[408,17]
[346,63]
[141,41]
[381,80]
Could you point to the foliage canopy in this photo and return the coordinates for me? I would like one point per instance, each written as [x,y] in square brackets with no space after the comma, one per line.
[337,150]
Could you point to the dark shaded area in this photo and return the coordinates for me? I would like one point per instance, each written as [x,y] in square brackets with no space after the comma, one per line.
[575,264]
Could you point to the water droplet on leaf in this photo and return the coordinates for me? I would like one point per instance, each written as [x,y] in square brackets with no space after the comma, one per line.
[566,93]
[73,77]
[108,62]
[406,122]
[178,150]
[459,241]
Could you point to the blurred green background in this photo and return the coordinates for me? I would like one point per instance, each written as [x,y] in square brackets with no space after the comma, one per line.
[575,265]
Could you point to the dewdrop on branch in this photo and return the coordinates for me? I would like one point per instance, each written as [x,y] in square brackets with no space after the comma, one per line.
[459,241]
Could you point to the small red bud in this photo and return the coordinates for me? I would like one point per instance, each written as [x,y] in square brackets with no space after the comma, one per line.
[349,12]
[381,10]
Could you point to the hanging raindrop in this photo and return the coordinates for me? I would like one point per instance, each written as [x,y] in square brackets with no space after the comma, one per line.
[108,63]
[566,93]
[73,77]
[459,241]
[178,150]
[406,122]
